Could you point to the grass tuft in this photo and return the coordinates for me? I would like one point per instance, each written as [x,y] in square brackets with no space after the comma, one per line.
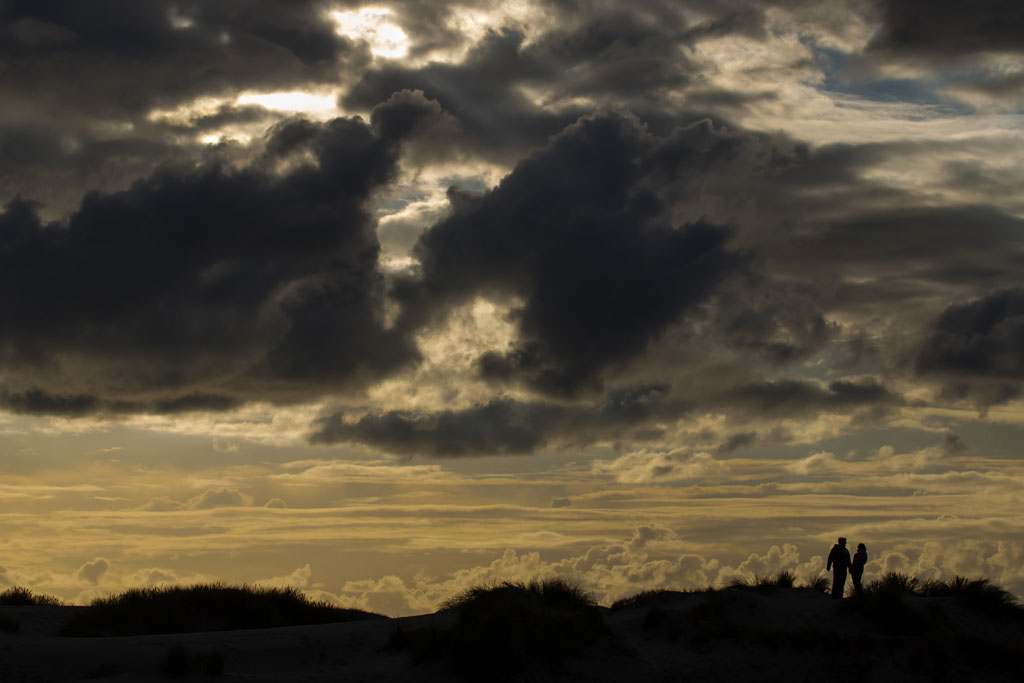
[203,607]
[509,628]
[20,597]
[647,597]
[894,583]
[979,594]
[818,583]
[764,583]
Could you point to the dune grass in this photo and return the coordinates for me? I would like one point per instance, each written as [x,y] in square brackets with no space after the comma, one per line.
[978,593]
[18,596]
[505,629]
[764,583]
[889,594]
[203,607]
[894,622]
[818,583]
[652,596]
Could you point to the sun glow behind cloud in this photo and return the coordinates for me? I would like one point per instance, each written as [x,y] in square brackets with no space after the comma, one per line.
[316,105]
[372,24]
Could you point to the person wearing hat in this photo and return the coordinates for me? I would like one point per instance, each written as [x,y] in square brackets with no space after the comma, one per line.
[838,561]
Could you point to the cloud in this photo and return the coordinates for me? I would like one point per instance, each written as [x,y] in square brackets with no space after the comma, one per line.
[978,347]
[973,350]
[276,503]
[219,497]
[662,467]
[152,576]
[793,397]
[204,276]
[115,56]
[297,579]
[94,570]
[224,446]
[501,426]
[162,504]
[578,233]
[822,462]
[561,503]
[948,29]
[617,571]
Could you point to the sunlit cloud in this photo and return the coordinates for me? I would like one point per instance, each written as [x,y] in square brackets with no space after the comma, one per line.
[315,105]
[372,24]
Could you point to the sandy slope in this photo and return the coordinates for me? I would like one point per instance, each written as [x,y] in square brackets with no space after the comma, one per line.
[787,635]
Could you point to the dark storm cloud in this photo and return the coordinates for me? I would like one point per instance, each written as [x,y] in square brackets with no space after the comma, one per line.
[120,57]
[780,324]
[505,426]
[978,348]
[496,118]
[205,276]
[502,426]
[578,233]
[949,28]
[35,401]
[603,53]
[802,398]
[81,78]
[907,253]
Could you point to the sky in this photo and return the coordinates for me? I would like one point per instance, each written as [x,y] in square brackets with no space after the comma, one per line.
[385,301]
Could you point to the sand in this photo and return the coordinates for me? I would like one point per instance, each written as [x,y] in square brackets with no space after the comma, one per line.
[785,635]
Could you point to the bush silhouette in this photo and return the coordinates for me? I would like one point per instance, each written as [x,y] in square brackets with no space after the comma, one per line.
[894,583]
[979,594]
[205,607]
[767,583]
[886,602]
[508,628]
[818,583]
[19,596]
[649,596]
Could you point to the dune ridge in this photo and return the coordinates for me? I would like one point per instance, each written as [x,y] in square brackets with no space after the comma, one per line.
[766,629]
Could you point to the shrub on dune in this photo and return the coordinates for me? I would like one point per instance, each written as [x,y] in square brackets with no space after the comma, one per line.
[508,628]
[204,607]
[764,583]
[19,596]
[894,583]
[979,594]
[648,597]
[818,583]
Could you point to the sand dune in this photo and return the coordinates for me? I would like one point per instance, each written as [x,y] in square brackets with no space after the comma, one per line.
[785,634]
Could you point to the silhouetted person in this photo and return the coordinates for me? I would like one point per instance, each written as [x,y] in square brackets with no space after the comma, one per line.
[838,561]
[860,558]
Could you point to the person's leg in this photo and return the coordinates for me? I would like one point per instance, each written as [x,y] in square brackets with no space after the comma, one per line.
[838,583]
[857,588]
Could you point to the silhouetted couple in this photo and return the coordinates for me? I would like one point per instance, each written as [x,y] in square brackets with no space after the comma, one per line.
[839,562]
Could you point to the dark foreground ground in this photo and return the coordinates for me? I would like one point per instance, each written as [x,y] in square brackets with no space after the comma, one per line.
[785,634]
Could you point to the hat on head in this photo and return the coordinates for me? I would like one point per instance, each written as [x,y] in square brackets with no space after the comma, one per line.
[842,540]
